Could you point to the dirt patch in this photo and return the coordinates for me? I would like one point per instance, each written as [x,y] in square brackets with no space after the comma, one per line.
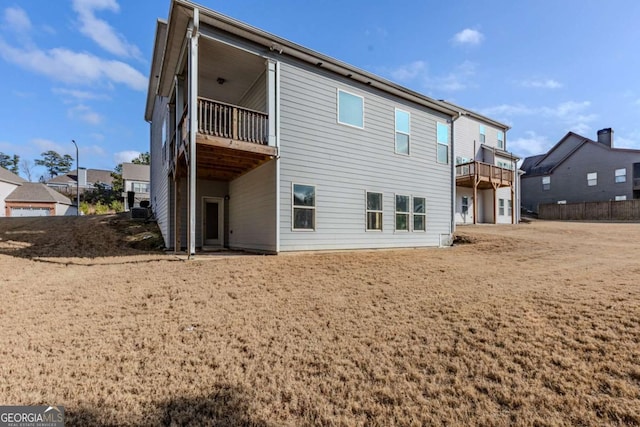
[535,324]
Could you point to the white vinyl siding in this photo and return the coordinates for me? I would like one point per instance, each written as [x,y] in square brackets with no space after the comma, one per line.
[345,162]
[621,175]
[350,109]
[403,131]
[159,186]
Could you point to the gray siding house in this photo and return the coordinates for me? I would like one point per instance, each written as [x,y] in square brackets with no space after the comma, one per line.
[487,181]
[258,143]
[135,179]
[578,169]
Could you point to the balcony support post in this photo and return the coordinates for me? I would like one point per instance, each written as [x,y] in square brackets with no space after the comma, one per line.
[192,36]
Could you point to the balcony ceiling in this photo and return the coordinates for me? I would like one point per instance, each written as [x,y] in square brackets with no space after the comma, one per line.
[238,68]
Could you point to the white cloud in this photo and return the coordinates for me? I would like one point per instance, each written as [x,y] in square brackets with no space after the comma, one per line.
[630,140]
[468,37]
[73,67]
[43,145]
[17,19]
[100,31]
[542,84]
[125,156]
[78,94]
[85,114]
[529,145]
[418,71]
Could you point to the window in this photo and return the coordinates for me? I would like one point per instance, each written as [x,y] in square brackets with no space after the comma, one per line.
[465,205]
[509,207]
[483,134]
[140,187]
[304,207]
[374,211]
[419,214]
[546,183]
[442,137]
[620,198]
[402,213]
[350,109]
[501,207]
[592,179]
[403,133]
[505,165]
[621,175]
[501,140]
[562,202]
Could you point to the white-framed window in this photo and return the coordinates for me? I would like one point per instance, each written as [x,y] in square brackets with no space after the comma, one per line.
[465,205]
[562,202]
[374,211]
[620,198]
[546,183]
[350,109]
[483,134]
[402,212]
[403,131]
[501,140]
[509,207]
[303,205]
[621,175]
[501,207]
[140,187]
[419,214]
[592,179]
[442,139]
[505,165]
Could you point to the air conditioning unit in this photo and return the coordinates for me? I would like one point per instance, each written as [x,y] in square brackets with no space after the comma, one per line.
[139,213]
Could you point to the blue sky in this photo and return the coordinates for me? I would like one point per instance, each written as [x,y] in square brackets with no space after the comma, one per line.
[77,69]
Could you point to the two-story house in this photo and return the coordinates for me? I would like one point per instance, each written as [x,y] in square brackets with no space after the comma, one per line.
[135,182]
[487,181]
[579,169]
[259,143]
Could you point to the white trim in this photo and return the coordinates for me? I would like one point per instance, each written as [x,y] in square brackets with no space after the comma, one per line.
[293,207]
[338,90]
[203,219]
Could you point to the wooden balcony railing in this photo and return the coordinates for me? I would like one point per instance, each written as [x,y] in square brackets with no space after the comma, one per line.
[484,172]
[233,122]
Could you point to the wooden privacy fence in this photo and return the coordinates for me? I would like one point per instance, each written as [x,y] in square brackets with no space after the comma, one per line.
[617,211]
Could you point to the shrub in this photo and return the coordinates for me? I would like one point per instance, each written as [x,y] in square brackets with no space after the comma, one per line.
[116,206]
[84,208]
[101,209]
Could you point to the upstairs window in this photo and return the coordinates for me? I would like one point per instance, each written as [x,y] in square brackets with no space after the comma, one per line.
[419,214]
[621,175]
[350,109]
[304,207]
[140,187]
[442,137]
[546,183]
[483,134]
[374,211]
[402,213]
[501,140]
[403,120]
[592,179]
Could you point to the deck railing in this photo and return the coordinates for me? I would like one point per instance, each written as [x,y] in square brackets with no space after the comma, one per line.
[229,121]
[484,170]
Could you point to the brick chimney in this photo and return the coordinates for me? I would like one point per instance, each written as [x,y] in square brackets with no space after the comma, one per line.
[605,136]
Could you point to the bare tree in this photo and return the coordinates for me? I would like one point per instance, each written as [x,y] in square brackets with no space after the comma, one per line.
[27,168]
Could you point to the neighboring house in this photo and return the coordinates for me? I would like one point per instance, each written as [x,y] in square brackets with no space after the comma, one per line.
[66,184]
[36,199]
[487,181]
[259,143]
[578,169]
[9,181]
[135,178]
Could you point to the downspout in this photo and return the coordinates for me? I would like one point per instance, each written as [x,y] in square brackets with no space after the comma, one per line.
[452,226]
[193,127]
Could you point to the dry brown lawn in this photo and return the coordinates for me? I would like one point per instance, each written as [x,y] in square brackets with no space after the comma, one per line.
[535,324]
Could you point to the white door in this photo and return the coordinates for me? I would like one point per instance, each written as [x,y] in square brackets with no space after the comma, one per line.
[212,221]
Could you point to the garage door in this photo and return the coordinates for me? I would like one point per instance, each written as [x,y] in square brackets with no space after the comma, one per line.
[29,211]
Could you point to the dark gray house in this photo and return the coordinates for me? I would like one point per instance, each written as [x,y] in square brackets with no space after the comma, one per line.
[578,169]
